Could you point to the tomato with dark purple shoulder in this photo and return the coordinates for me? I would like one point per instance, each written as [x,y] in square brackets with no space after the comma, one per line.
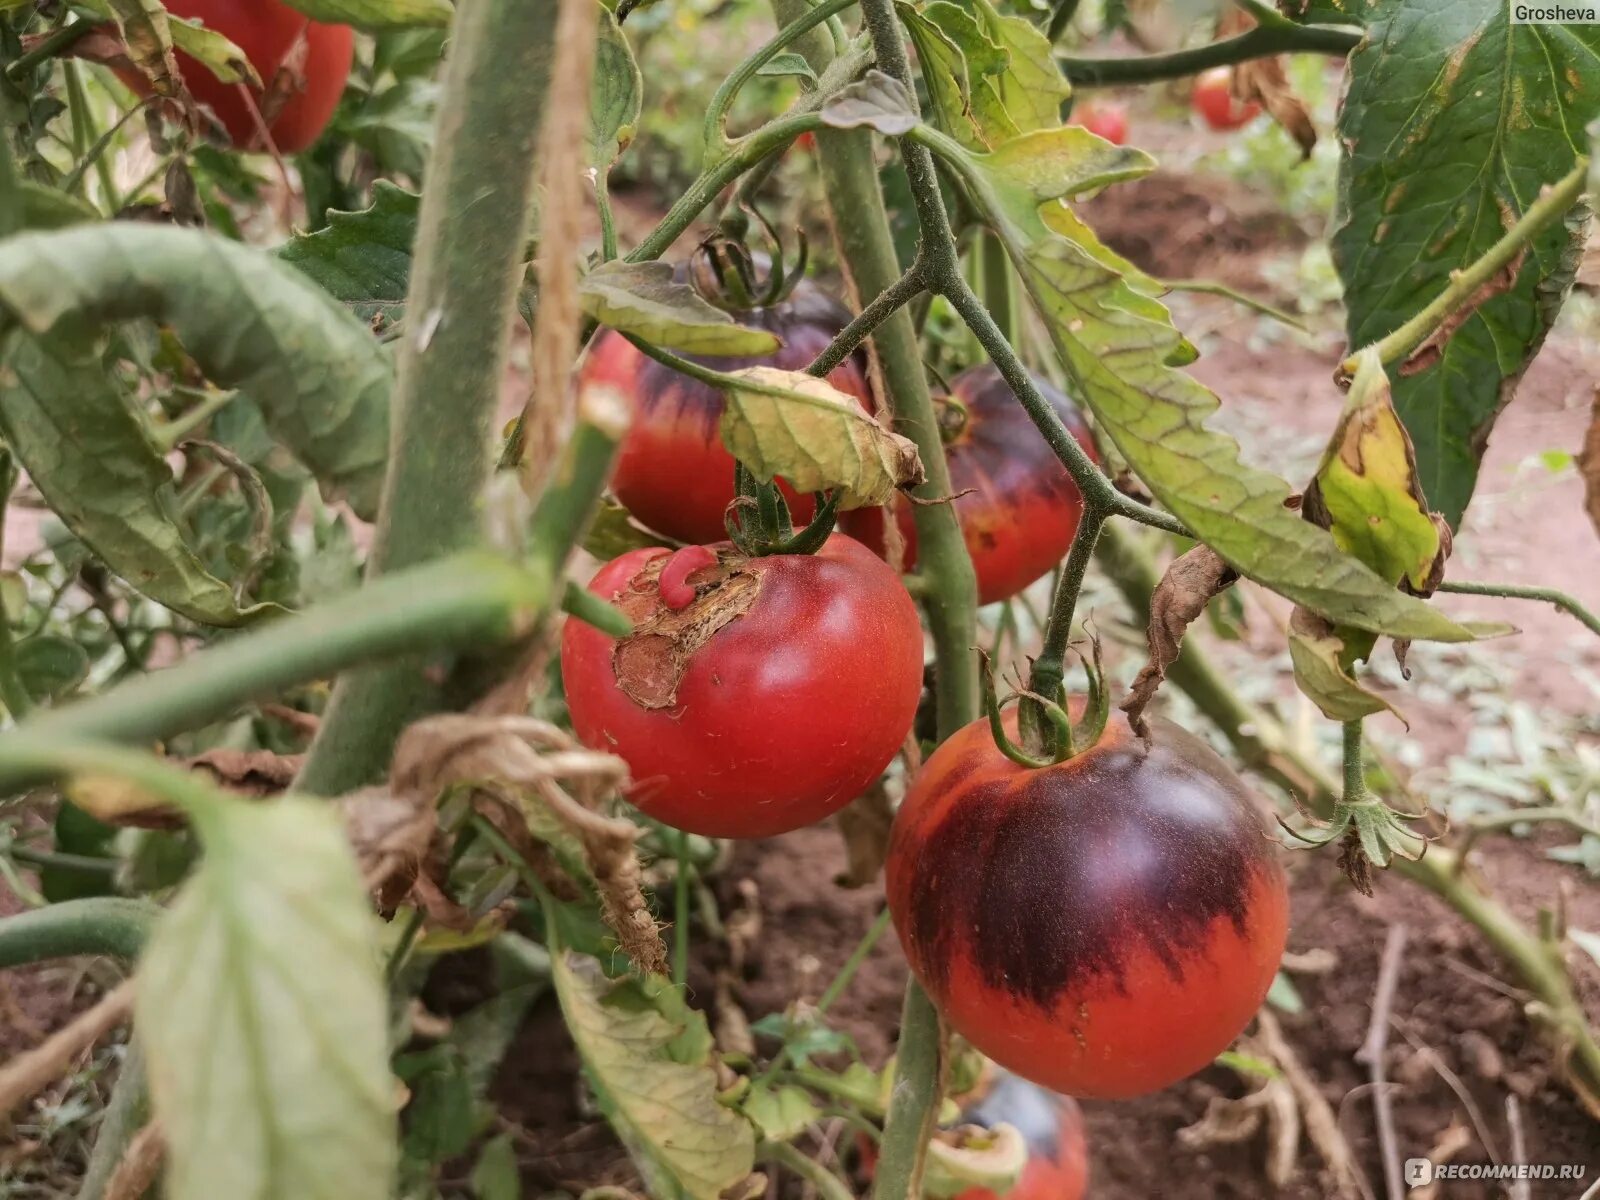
[673,472]
[303,65]
[1104,926]
[755,695]
[1052,1126]
[1017,506]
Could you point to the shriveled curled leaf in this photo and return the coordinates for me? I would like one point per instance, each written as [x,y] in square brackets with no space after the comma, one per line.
[264,1018]
[1119,346]
[792,424]
[1267,80]
[377,14]
[648,1057]
[1322,670]
[646,300]
[142,32]
[89,454]
[781,1111]
[972,1157]
[1177,602]
[1589,464]
[877,101]
[1366,493]
[321,380]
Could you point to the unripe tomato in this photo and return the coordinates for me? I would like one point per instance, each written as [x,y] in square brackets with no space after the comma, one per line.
[1022,510]
[673,472]
[1214,100]
[1105,926]
[1106,119]
[778,692]
[270,34]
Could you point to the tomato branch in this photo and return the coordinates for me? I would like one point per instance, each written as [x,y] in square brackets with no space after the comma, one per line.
[469,255]
[1263,745]
[1049,668]
[1567,604]
[1466,284]
[887,302]
[1261,42]
[106,925]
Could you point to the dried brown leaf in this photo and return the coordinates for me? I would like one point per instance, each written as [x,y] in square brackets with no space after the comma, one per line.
[1179,599]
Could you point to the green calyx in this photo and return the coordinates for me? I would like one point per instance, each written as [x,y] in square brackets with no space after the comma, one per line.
[1049,735]
[759,523]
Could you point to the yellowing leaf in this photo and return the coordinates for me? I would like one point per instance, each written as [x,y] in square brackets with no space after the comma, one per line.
[1366,486]
[1032,88]
[783,1112]
[1319,656]
[645,299]
[970,1157]
[264,1017]
[792,424]
[648,1057]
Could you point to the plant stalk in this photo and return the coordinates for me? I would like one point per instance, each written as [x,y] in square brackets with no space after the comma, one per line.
[469,262]
[1261,42]
[1567,604]
[106,925]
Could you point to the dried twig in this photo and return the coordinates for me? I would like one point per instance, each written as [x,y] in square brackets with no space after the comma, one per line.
[1371,1053]
[1519,1189]
[1322,1126]
[141,1163]
[28,1073]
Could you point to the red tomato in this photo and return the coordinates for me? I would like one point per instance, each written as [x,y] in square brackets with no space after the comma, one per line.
[774,697]
[271,35]
[1103,927]
[673,472]
[1108,120]
[1213,99]
[1023,509]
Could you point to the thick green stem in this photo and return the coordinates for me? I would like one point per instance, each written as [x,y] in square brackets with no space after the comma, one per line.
[469,262]
[1511,591]
[1260,42]
[469,601]
[96,925]
[1465,284]
[866,247]
[887,302]
[1060,18]
[1262,745]
[1355,767]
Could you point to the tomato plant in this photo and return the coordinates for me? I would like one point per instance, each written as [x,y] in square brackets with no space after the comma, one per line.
[408,858]
[1017,505]
[755,695]
[303,65]
[1214,100]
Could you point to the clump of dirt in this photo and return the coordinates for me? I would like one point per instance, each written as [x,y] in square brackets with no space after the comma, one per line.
[1187,226]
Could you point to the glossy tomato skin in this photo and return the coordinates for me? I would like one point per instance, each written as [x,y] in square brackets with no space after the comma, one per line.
[1051,1124]
[1103,927]
[1213,99]
[785,714]
[1108,120]
[267,31]
[1020,509]
[673,472]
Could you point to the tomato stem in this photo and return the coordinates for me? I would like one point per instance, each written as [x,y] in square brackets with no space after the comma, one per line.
[1261,42]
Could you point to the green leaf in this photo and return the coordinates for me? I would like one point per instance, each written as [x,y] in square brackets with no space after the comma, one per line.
[264,1017]
[944,73]
[792,424]
[1032,88]
[1322,669]
[1119,347]
[781,1112]
[252,324]
[1453,121]
[1284,996]
[50,666]
[1366,486]
[376,14]
[616,95]
[223,58]
[644,299]
[495,1175]
[51,208]
[786,64]
[648,1057]
[363,258]
[91,457]
[877,101]
[987,121]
